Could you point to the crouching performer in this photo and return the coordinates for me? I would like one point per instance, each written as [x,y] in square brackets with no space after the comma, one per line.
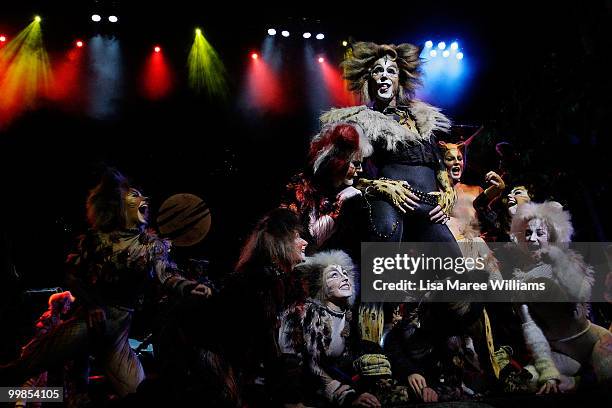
[568,350]
[319,329]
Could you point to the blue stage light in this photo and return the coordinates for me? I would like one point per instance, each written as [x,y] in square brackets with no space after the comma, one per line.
[433,53]
[428,44]
[459,55]
[454,46]
[441,45]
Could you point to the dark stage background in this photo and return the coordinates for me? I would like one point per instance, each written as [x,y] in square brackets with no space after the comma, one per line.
[540,80]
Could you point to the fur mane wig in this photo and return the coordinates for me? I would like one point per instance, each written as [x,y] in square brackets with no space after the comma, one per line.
[272,242]
[556,219]
[311,272]
[358,64]
[105,207]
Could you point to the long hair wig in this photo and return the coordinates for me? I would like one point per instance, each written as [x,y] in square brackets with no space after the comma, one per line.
[360,60]
[311,272]
[556,219]
[105,207]
[272,241]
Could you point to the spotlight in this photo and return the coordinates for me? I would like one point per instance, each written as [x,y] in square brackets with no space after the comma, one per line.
[271,31]
[2,38]
[441,45]
[321,60]
[79,43]
[433,53]
[428,44]
[344,43]
[320,36]
[254,56]
[96,18]
[157,48]
[459,55]
[37,19]
[285,33]
[113,19]
[445,53]
[454,45]
[306,35]
[198,31]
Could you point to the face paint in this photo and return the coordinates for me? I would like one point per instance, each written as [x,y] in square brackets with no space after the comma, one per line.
[384,80]
[453,160]
[337,283]
[536,234]
[519,195]
[136,209]
[353,170]
[300,246]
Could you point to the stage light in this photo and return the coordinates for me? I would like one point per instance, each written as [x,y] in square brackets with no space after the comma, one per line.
[454,45]
[428,44]
[113,19]
[105,77]
[441,45]
[320,36]
[344,43]
[2,38]
[157,78]
[25,71]
[445,53]
[254,56]
[206,70]
[321,60]
[306,35]
[459,55]
[285,33]
[433,53]
[96,18]
[271,31]
[79,43]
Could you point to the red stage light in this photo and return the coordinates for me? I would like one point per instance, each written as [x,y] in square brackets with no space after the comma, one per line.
[336,86]
[157,77]
[2,38]
[79,44]
[254,56]
[321,60]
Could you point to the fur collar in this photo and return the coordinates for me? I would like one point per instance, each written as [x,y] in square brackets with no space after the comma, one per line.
[377,126]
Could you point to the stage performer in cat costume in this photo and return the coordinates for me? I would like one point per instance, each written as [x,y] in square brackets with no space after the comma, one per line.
[565,346]
[107,274]
[411,194]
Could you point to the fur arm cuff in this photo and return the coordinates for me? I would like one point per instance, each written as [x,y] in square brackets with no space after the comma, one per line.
[448,197]
[548,371]
[540,350]
[338,393]
[572,273]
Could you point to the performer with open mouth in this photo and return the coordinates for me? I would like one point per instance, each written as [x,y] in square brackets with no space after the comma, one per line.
[107,275]
[410,189]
